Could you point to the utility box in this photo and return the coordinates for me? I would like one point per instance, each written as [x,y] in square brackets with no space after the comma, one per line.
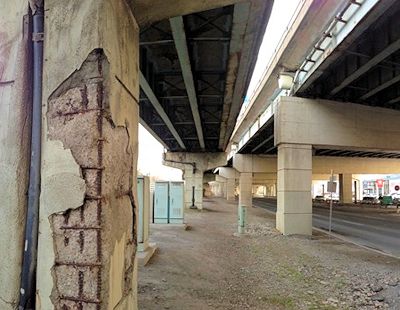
[143,198]
[176,202]
[161,203]
[168,203]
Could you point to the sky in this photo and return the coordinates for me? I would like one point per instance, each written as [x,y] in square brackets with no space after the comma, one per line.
[150,150]
[150,158]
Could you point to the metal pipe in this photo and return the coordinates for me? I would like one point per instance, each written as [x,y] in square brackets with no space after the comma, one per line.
[193,164]
[193,206]
[28,276]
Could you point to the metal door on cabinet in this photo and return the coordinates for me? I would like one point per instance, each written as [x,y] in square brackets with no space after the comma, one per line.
[176,203]
[161,209]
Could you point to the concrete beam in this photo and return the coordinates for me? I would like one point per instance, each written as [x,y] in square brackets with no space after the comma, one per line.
[228,173]
[249,23]
[337,125]
[157,106]
[150,11]
[178,32]
[202,161]
[320,165]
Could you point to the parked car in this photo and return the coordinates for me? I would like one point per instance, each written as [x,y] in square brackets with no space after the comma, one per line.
[335,197]
[319,198]
[395,196]
[369,200]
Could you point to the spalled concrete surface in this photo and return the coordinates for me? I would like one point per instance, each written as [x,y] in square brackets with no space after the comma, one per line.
[77,132]
[207,267]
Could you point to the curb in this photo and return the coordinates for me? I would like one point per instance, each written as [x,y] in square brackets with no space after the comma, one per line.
[342,238]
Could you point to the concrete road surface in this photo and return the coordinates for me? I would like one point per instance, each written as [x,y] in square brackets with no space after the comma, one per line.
[375,230]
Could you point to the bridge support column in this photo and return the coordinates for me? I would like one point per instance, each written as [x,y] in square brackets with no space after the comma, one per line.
[87,230]
[294,213]
[346,188]
[193,166]
[193,188]
[230,189]
[246,185]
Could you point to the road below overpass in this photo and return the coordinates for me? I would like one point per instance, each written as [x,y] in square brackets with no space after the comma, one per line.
[380,231]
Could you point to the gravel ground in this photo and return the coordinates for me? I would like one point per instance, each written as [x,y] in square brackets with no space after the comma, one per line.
[207,267]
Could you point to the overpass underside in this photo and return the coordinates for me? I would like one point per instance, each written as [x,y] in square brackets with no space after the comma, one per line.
[343,113]
[312,137]
[195,71]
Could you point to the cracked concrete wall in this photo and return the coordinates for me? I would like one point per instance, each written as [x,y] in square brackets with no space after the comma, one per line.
[14,144]
[87,244]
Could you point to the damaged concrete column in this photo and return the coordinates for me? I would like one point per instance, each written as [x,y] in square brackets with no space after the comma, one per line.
[294,212]
[346,188]
[87,229]
[193,166]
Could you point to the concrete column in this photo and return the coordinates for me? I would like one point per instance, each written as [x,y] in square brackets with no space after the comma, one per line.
[294,213]
[230,189]
[86,251]
[14,145]
[346,188]
[193,180]
[245,189]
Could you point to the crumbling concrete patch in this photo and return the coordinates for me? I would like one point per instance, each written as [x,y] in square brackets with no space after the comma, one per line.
[85,236]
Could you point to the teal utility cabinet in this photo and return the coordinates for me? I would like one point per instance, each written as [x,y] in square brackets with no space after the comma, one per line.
[168,203]
[161,209]
[176,202]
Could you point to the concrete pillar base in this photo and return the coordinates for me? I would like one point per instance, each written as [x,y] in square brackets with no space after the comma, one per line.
[294,212]
[294,224]
[144,255]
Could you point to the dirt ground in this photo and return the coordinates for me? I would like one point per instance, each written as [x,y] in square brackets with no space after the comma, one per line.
[207,267]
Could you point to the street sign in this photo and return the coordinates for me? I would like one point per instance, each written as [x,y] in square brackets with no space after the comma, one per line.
[396,188]
[331,188]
